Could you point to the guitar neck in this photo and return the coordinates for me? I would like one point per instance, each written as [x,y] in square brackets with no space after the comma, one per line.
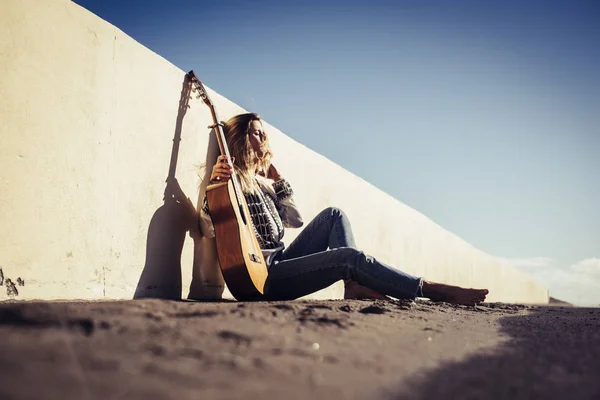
[202,93]
[224,149]
[219,132]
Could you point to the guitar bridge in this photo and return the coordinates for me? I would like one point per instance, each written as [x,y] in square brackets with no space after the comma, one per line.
[254,258]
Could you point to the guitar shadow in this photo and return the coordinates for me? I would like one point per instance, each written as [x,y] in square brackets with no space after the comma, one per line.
[161,276]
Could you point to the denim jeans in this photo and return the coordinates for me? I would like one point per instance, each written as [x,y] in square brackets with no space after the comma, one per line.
[325,253]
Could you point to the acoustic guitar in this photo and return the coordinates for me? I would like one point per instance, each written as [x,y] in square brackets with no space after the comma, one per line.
[238,251]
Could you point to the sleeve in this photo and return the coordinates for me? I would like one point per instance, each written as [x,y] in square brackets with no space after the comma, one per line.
[289,213]
[205,223]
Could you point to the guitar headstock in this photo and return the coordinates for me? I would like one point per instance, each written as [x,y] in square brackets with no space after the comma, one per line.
[199,89]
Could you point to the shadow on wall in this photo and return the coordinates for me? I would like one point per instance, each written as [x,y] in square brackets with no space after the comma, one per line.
[207,279]
[161,276]
[553,353]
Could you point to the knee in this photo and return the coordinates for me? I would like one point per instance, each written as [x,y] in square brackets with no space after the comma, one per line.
[351,256]
[352,260]
[335,212]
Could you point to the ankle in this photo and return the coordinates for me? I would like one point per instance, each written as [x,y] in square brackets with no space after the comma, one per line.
[433,291]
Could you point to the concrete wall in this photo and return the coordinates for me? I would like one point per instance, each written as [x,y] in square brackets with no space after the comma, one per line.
[88,121]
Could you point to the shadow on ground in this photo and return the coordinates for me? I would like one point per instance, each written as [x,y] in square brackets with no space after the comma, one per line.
[551,353]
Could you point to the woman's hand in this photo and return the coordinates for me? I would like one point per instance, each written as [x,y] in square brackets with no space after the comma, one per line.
[273,173]
[222,170]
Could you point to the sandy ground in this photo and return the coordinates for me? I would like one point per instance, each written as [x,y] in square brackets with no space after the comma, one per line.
[156,349]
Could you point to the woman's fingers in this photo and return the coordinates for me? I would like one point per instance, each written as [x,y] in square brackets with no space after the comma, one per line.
[224,159]
[222,170]
[220,178]
[223,167]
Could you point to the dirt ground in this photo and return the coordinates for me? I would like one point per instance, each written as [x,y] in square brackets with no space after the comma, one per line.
[339,349]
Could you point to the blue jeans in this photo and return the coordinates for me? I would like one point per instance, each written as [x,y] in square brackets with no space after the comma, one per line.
[325,253]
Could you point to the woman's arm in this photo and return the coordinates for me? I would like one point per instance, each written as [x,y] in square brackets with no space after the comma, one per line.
[221,172]
[289,213]
[204,222]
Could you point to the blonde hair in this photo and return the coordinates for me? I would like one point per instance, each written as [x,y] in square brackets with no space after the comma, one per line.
[237,130]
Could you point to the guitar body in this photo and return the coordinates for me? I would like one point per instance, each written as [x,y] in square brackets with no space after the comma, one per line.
[240,256]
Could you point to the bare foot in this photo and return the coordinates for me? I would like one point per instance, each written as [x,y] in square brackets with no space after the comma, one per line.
[453,294]
[354,291]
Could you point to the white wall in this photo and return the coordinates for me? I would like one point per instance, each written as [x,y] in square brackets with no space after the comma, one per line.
[87,121]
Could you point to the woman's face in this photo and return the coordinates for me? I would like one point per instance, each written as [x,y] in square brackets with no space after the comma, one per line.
[257,138]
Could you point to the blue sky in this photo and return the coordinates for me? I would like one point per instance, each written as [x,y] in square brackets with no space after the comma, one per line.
[484,116]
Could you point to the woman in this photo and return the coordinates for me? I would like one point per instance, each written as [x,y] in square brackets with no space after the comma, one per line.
[325,251]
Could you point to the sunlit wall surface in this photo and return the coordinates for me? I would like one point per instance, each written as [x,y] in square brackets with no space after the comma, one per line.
[92,124]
